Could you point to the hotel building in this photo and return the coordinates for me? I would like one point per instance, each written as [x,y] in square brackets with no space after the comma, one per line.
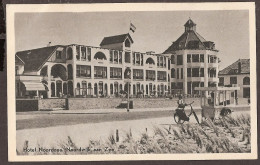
[78,70]
[83,71]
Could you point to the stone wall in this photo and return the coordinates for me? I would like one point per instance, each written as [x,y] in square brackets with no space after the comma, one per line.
[108,103]
[26,105]
[162,103]
[93,103]
[46,104]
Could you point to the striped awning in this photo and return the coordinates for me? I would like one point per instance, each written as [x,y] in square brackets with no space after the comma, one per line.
[34,86]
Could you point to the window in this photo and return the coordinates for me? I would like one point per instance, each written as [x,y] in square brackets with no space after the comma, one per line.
[201,72]
[150,75]
[195,72]
[172,59]
[142,59]
[69,53]
[127,43]
[189,58]
[116,56]
[58,54]
[83,71]
[83,53]
[188,72]
[161,75]
[233,80]
[16,70]
[164,62]
[179,60]
[212,59]
[116,73]
[246,92]
[221,81]
[138,60]
[70,72]
[161,61]
[195,58]
[120,57]
[100,72]
[158,60]
[111,56]
[172,73]
[169,64]
[127,57]
[246,81]
[77,52]
[212,72]
[201,57]
[178,73]
[100,56]
[138,74]
[89,54]
[181,73]
[133,58]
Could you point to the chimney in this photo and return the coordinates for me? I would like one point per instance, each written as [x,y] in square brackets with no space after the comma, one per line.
[49,44]
[239,66]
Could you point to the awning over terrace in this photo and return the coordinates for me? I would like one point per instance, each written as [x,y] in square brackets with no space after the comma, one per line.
[34,86]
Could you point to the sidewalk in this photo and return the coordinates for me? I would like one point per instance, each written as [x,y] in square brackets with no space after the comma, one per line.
[105,111]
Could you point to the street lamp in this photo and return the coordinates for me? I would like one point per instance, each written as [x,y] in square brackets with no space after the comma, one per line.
[128,76]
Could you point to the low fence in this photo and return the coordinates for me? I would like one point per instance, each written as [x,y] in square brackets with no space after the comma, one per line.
[98,103]
[39,104]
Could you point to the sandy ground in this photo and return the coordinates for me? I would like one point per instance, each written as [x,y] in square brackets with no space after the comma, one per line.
[82,133]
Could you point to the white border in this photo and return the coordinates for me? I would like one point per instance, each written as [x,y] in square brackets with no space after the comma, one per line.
[12,9]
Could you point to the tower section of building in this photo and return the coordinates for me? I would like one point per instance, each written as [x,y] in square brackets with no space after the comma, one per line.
[193,62]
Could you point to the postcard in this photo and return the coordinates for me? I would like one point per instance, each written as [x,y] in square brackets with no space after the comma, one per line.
[132,81]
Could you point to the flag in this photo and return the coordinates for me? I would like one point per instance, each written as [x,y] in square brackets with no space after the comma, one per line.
[132,27]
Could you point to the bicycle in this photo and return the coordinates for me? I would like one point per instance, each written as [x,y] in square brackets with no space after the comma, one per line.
[180,116]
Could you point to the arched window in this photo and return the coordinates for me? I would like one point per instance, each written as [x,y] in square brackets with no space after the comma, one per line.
[59,70]
[70,72]
[69,54]
[246,81]
[65,88]
[78,85]
[134,90]
[70,88]
[127,43]
[150,61]
[95,89]
[100,56]
[111,89]
[52,89]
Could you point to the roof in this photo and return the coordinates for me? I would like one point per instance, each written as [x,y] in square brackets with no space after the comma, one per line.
[233,69]
[189,23]
[116,39]
[190,40]
[35,58]
[18,60]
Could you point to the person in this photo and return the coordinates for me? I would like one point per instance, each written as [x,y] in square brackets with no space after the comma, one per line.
[180,108]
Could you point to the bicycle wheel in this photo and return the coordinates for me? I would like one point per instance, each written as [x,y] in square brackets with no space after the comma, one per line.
[177,119]
[196,117]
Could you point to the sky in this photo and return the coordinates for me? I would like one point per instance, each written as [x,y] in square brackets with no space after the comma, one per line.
[155,31]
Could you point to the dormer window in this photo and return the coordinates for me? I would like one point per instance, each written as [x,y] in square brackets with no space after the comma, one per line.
[127,43]
[58,54]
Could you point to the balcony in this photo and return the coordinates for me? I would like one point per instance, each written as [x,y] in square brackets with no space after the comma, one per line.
[29,78]
[214,79]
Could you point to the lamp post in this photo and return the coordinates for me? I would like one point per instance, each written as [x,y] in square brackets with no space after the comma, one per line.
[128,75]
[128,91]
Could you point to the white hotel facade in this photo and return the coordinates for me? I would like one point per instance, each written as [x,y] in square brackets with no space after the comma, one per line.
[78,70]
